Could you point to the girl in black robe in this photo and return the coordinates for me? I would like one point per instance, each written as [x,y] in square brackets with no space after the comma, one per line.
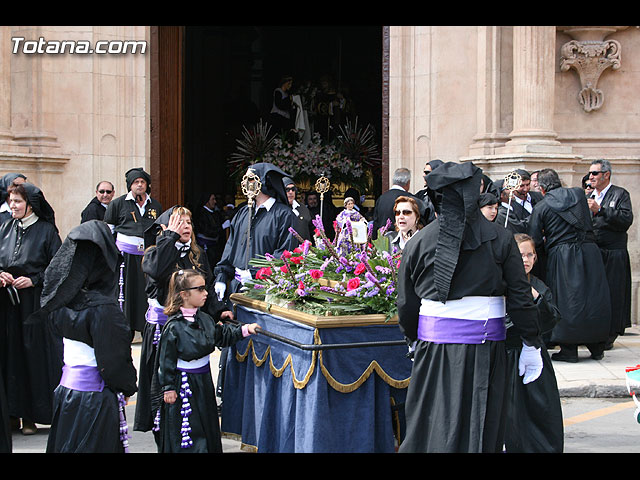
[31,358]
[188,417]
[534,422]
[98,374]
[171,246]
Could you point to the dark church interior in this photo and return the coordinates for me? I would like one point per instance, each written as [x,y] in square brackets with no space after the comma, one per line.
[231,72]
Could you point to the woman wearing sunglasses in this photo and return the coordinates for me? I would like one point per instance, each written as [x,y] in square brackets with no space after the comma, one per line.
[408,222]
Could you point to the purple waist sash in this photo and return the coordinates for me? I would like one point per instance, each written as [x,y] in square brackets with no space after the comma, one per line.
[458,330]
[156,315]
[82,378]
[202,369]
[128,248]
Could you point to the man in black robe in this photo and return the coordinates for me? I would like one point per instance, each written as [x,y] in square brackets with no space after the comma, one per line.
[458,277]
[209,224]
[270,222]
[522,203]
[561,225]
[610,206]
[97,207]
[129,216]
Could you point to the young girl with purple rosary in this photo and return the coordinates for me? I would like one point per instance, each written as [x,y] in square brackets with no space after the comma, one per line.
[188,417]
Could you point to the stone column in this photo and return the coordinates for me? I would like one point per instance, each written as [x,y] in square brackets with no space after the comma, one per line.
[533,85]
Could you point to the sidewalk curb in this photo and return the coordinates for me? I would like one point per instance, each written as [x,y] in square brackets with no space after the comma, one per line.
[595,390]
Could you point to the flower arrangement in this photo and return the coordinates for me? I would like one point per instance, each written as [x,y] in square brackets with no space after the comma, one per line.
[347,159]
[329,279]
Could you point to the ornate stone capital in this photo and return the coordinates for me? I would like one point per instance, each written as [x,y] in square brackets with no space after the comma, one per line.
[590,55]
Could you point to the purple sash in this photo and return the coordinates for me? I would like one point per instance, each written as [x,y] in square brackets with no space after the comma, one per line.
[155,315]
[458,330]
[128,248]
[82,378]
[202,369]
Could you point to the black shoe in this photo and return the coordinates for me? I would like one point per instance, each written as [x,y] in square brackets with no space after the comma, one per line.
[608,346]
[597,356]
[563,357]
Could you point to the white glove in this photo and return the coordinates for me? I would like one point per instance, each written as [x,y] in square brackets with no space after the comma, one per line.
[243,275]
[220,288]
[530,364]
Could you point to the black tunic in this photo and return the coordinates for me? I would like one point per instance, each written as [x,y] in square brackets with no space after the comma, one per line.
[189,341]
[93,211]
[125,216]
[534,422]
[575,271]
[30,356]
[269,234]
[610,226]
[207,225]
[446,409]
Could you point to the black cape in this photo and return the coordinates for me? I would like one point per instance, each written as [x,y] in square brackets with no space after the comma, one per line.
[93,211]
[610,226]
[189,341]
[561,227]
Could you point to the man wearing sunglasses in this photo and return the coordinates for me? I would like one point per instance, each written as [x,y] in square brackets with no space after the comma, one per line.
[610,206]
[98,204]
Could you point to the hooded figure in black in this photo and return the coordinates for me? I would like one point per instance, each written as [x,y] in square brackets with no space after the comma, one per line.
[98,373]
[561,225]
[5,183]
[271,218]
[129,216]
[29,355]
[458,277]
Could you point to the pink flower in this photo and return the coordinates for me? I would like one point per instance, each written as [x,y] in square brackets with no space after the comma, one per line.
[359,269]
[301,285]
[353,283]
[296,260]
[286,254]
[284,269]
[263,273]
[316,274]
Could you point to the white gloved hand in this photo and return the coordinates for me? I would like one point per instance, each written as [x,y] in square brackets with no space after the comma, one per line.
[243,275]
[530,364]
[220,288]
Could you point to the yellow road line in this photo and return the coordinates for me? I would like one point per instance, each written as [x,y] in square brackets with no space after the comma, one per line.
[598,413]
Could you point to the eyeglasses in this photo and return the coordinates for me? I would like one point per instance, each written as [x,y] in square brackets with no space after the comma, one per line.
[595,174]
[406,213]
[290,189]
[105,191]
[200,288]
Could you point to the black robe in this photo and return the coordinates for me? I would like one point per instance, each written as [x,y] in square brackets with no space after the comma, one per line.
[574,271]
[31,357]
[210,235]
[302,221]
[158,264]
[444,408]
[190,341]
[93,211]
[269,234]
[610,227]
[534,422]
[125,216]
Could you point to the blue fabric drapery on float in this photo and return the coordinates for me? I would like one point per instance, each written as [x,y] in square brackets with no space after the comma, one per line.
[281,398]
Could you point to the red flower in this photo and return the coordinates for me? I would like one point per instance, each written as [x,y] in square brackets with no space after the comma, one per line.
[263,273]
[300,285]
[353,283]
[284,269]
[296,260]
[286,254]
[317,232]
[297,250]
[359,268]
[316,274]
